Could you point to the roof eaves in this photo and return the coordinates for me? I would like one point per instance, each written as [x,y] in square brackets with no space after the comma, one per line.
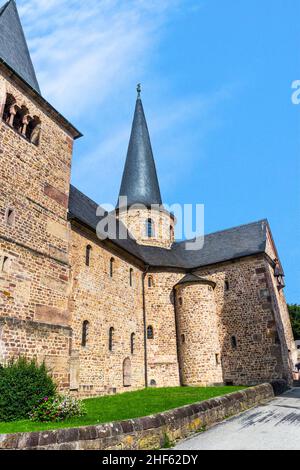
[76,134]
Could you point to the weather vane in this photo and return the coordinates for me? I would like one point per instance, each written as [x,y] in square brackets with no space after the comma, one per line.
[139,89]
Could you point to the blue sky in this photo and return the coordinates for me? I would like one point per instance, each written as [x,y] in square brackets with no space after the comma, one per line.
[216,79]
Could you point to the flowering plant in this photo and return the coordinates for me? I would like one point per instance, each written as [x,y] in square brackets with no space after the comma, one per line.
[58,408]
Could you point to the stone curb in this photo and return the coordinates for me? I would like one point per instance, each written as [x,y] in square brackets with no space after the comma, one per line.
[150,432]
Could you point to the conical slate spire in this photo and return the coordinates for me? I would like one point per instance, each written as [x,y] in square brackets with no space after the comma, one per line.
[13,47]
[139,182]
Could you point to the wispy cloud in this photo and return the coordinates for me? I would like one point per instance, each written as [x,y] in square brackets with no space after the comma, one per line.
[83,50]
[87,55]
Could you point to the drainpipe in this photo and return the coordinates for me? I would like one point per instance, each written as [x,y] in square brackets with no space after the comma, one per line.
[178,345]
[145,325]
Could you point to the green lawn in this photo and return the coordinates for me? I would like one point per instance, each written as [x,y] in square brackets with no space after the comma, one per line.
[125,406]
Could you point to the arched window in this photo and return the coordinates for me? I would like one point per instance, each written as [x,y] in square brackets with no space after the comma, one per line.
[111,267]
[150,334]
[85,333]
[127,372]
[150,281]
[33,130]
[88,252]
[131,277]
[111,338]
[7,114]
[226,285]
[233,342]
[18,119]
[150,232]
[10,217]
[132,342]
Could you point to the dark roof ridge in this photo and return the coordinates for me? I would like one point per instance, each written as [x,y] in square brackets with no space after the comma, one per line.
[3,8]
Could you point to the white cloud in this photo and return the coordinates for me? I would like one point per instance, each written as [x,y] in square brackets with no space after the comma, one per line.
[87,55]
[83,50]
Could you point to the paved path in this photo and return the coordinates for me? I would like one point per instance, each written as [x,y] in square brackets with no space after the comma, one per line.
[275,425]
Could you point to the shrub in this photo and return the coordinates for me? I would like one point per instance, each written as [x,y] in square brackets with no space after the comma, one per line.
[58,409]
[23,384]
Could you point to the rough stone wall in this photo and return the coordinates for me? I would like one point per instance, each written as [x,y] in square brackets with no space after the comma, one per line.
[104,302]
[284,328]
[162,356]
[136,222]
[200,352]
[34,270]
[44,342]
[246,312]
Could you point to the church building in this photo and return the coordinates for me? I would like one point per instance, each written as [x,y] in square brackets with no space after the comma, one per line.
[126,312]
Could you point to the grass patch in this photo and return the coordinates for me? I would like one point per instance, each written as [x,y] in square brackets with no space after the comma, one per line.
[126,406]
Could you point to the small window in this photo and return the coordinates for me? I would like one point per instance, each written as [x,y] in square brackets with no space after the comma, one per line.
[10,217]
[152,383]
[233,342]
[132,343]
[85,333]
[33,130]
[150,334]
[5,264]
[18,120]
[111,268]
[131,277]
[226,285]
[150,282]
[8,116]
[217,357]
[88,253]
[183,339]
[150,232]
[111,339]
[180,301]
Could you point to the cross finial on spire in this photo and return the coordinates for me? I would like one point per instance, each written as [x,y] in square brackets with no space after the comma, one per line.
[138,89]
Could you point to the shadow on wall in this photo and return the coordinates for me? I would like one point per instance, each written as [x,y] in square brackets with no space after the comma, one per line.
[251,349]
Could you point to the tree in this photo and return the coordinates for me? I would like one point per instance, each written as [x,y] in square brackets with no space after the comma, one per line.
[294,311]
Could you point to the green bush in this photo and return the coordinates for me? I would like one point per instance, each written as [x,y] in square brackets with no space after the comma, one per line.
[58,409]
[23,385]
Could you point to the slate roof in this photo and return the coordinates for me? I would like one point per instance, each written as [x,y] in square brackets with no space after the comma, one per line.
[84,210]
[13,47]
[140,182]
[193,278]
[244,240]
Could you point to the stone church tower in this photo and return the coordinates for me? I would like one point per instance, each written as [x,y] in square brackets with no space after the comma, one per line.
[140,187]
[35,150]
[112,315]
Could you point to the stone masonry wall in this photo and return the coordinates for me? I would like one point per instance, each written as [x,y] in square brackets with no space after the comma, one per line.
[34,269]
[136,222]
[245,311]
[162,356]
[105,302]
[40,341]
[200,352]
